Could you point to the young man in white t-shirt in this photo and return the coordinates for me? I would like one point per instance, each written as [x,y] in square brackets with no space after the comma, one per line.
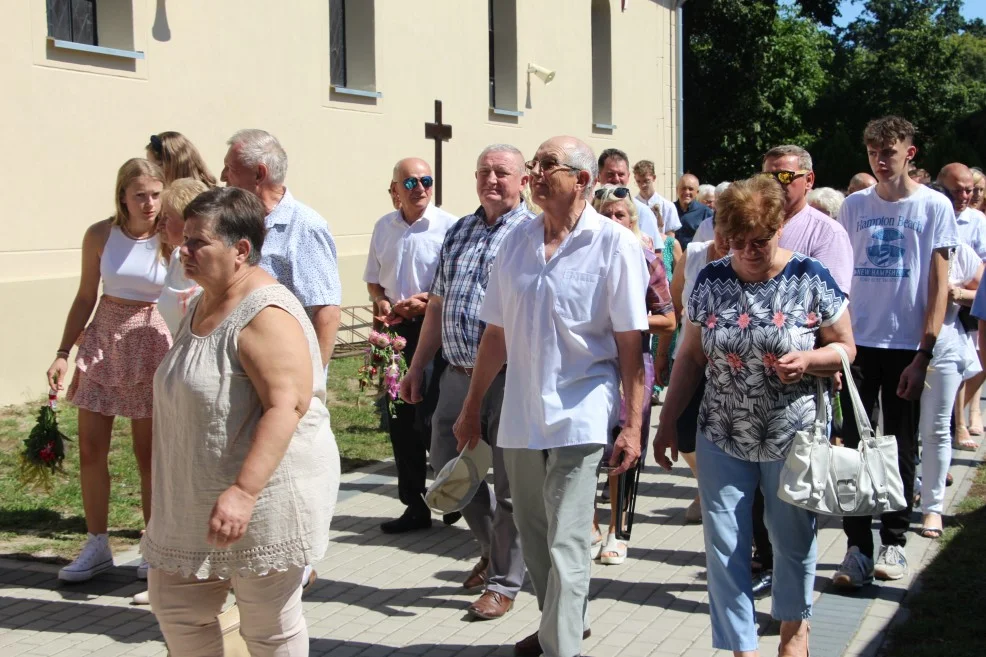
[901,233]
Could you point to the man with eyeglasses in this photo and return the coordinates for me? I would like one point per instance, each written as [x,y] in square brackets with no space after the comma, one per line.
[815,234]
[691,213]
[614,169]
[957,179]
[452,323]
[902,233]
[400,268]
[565,307]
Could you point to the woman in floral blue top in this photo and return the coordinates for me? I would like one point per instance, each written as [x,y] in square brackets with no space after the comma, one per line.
[758,322]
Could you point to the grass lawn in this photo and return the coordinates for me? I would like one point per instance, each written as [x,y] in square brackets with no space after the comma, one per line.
[945,614]
[50,525]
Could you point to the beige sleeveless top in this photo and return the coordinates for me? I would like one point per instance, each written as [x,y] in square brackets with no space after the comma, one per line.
[205,415]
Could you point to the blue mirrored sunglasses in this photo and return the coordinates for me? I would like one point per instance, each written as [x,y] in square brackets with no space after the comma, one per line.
[411,182]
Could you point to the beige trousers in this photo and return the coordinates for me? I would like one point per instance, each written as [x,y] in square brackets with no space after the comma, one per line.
[271,620]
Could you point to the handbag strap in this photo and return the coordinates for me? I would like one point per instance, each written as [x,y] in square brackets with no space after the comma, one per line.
[862,421]
[867,441]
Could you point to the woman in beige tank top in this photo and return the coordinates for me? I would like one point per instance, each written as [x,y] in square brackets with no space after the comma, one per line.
[245,467]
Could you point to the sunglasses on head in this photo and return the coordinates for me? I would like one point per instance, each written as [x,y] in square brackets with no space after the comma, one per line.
[618,192]
[156,145]
[786,177]
[411,182]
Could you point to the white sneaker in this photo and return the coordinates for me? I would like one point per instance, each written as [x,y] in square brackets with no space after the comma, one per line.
[855,572]
[141,598]
[95,557]
[892,562]
[142,569]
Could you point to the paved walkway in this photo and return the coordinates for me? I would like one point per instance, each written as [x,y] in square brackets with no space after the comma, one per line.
[384,595]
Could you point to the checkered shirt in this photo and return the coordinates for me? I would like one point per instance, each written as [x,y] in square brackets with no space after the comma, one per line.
[463,273]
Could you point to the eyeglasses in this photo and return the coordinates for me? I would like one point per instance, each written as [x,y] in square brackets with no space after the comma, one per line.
[757,244]
[618,192]
[547,166]
[787,177]
[411,182]
[156,145]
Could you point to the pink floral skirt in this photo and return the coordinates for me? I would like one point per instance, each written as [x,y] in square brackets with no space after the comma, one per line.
[118,354]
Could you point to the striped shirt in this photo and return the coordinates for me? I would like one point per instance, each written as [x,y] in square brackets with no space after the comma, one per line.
[464,266]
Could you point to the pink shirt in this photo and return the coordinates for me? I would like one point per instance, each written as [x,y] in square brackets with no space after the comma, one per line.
[815,234]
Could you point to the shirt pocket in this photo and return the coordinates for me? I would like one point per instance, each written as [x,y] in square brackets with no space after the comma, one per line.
[575,295]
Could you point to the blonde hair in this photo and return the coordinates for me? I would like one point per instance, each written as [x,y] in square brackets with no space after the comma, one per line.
[179,158]
[131,170]
[750,207]
[609,197]
[176,197]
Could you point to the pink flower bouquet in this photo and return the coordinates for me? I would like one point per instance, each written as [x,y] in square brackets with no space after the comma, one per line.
[384,367]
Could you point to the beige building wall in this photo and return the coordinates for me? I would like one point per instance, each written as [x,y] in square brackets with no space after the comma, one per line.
[69,119]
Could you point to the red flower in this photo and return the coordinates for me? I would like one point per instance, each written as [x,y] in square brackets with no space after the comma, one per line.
[735,362]
[710,321]
[778,319]
[811,320]
[743,321]
[770,362]
[48,453]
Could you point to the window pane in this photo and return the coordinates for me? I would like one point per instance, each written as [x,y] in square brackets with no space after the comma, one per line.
[337,42]
[60,19]
[492,58]
[84,21]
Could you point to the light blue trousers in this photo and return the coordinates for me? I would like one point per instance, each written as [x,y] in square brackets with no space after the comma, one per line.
[727,485]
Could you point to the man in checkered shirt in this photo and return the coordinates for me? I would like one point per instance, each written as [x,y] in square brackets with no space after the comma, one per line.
[452,323]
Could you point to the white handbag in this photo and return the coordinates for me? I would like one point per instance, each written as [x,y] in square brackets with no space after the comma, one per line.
[840,481]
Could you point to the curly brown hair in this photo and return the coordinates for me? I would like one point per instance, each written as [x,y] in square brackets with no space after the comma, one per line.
[887,130]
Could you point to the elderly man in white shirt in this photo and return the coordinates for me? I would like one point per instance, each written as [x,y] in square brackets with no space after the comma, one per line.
[565,307]
[400,269]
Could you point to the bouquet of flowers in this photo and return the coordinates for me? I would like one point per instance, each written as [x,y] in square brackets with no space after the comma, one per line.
[384,367]
[44,448]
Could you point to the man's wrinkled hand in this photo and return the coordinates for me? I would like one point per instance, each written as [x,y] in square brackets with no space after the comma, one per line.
[626,451]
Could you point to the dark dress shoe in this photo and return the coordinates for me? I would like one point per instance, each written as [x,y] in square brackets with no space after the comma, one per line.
[411,521]
[762,584]
[477,578]
[491,605]
[451,518]
[531,646]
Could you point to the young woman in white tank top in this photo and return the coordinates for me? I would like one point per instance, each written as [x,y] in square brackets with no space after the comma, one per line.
[119,350]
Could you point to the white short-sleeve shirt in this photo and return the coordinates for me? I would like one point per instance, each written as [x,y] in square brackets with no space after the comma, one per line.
[972,230]
[404,258]
[558,318]
[668,213]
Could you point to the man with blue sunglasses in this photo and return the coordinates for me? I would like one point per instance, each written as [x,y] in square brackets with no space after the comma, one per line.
[400,269]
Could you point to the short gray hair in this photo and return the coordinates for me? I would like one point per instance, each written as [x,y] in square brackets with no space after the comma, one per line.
[580,156]
[804,157]
[255,147]
[721,187]
[827,200]
[705,193]
[502,148]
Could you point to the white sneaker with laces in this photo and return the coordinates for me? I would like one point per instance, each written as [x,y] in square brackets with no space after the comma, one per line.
[95,557]
[855,572]
[142,569]
[891,563]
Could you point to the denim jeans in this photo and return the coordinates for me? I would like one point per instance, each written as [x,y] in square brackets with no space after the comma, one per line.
[726,485]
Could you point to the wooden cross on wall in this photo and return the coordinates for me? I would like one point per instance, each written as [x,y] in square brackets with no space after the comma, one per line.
[439,132]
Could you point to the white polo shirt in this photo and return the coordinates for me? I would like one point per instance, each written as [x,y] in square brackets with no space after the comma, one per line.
[558,317]
[404,259]
[668,212]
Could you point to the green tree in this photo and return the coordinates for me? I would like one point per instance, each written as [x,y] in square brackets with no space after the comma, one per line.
[753,72]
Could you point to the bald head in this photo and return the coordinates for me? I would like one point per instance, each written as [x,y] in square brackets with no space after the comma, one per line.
[957,179]
[861,181]
[403,167]
[564,176]
[687,189]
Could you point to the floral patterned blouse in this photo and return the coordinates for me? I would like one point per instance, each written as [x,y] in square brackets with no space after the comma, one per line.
[746,327]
